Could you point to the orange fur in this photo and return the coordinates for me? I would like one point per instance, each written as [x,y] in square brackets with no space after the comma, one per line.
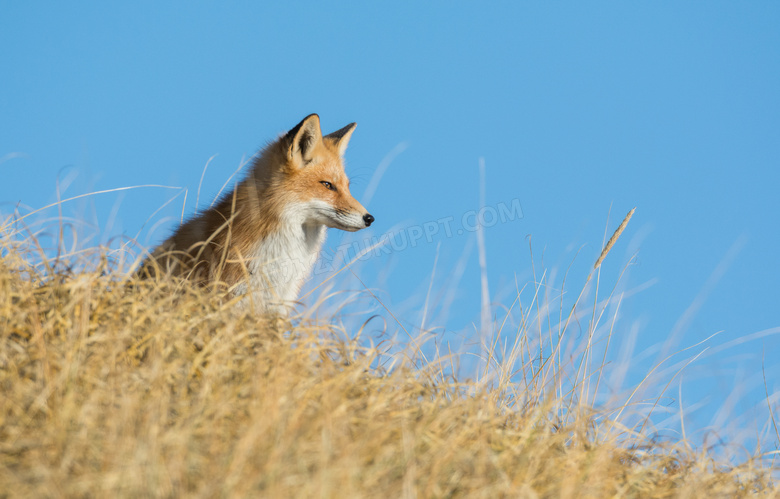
[275,217]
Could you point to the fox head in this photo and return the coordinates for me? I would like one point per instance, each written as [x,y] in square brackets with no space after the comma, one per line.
[313,175]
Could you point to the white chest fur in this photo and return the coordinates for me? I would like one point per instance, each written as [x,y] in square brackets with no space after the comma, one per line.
[281,263]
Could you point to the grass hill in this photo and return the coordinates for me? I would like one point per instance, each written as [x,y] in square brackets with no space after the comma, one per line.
[116,388]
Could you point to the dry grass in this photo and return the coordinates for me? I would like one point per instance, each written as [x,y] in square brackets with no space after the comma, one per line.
[613,239]
[155,389]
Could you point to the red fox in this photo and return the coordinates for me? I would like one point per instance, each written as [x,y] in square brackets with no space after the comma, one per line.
[263,238]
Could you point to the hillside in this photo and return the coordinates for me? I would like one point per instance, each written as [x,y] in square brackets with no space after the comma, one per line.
[114,388]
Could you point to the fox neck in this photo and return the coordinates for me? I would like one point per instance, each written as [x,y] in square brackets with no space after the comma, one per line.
[283,259]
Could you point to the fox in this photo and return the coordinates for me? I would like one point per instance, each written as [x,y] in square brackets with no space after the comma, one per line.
[262,240]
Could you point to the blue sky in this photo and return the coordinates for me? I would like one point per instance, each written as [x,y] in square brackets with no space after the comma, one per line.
[577,109]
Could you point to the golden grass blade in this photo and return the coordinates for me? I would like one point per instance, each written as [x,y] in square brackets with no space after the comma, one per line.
[613,239]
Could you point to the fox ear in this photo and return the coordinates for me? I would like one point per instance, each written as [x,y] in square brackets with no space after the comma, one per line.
[303,138]
[341,137]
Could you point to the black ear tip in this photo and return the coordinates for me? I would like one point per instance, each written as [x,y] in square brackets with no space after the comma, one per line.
[294,130]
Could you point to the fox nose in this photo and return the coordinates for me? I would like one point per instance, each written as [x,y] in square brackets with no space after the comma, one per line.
[368,219]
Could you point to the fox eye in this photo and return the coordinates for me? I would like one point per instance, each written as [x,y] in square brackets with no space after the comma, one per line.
[327,185]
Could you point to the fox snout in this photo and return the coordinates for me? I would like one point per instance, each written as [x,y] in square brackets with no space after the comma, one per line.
[350,221]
